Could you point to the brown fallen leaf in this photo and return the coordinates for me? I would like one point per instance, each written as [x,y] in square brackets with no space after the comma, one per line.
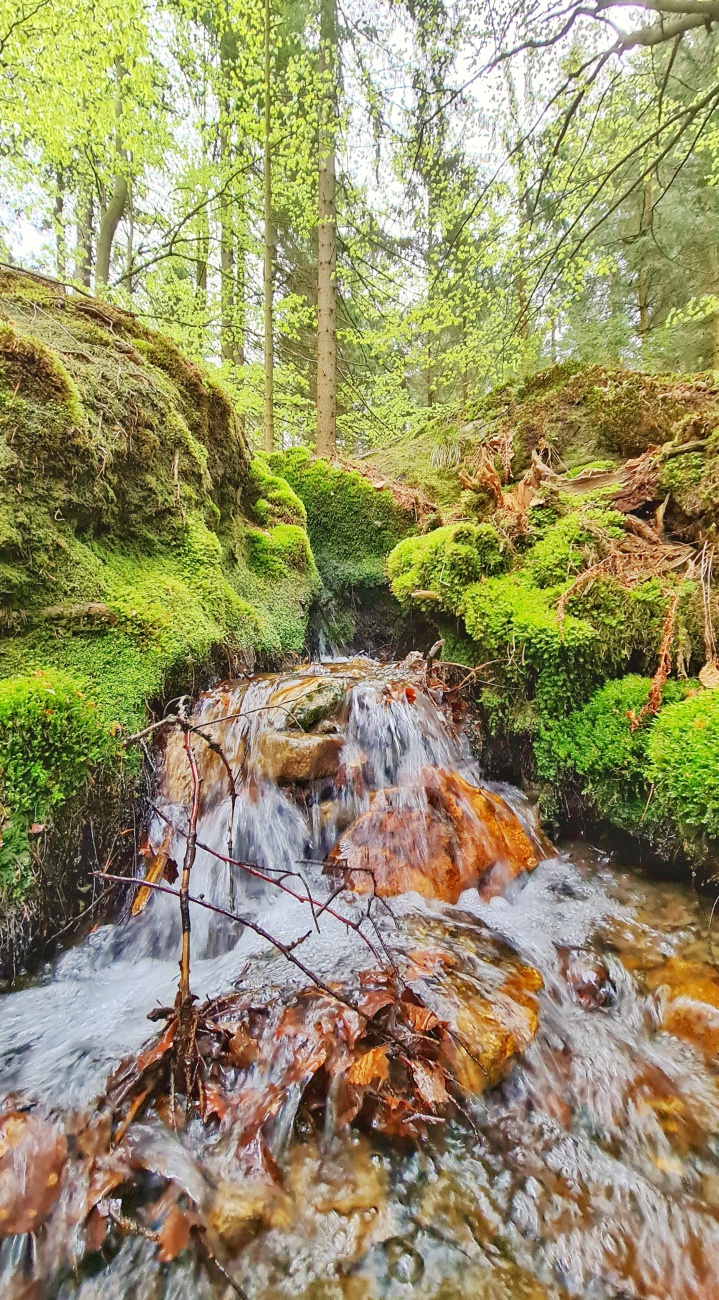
[157,1050]
[32,1158]
[216,1102]
[420,1018]
[429,1082]
[157,868]
[372,1065]
[709,676]
[174,1235]
[95,1230]
[374,1000]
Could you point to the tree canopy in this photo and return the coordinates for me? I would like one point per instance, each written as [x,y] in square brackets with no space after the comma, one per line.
[367,213]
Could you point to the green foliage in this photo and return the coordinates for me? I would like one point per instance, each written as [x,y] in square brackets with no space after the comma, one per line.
[446,561]
[352,526]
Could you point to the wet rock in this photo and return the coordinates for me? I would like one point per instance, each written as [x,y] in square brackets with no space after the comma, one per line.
[335,815]
[404,1263]
[303,703]
[589,981]
[439,838]
[489,1032]
[240,1210]
[690,1003]
[286,757]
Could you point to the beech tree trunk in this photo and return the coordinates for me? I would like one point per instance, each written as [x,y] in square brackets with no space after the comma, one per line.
[646,218]
[227,273]
[109,222]
[83,249]
[203,249]
[59,221]
[327,241]
[115,209]
[269,357]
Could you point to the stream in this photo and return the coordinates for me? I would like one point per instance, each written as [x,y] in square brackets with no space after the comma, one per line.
[490,1072]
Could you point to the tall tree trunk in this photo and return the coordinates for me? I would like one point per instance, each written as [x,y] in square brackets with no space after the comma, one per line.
[227,257]
[269,358]
[327,240]
[130,279]
[83,249]
[59,222]
[115,209]
[713,284]
[646,217]
[109,222]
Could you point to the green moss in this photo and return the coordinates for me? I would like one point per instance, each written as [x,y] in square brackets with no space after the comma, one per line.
[25,352]
[597,747]
[445,561]
[659,779]
[51,736]
[129,547]
[571,544]
[683,753]
[516,629]
[352,526]
[272,499]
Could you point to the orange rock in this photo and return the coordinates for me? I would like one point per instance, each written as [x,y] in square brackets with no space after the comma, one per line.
[438,839]
[692,1005]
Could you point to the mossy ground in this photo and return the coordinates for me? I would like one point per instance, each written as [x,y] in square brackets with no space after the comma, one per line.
[137,540]
[564,689]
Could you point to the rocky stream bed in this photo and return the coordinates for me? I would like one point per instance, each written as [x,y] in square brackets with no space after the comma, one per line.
[414,1048]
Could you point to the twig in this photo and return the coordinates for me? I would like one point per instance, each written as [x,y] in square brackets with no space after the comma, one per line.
[184,892]
[259,874]
[285,949]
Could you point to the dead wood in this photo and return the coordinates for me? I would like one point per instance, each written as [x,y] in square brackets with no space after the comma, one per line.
[661,675]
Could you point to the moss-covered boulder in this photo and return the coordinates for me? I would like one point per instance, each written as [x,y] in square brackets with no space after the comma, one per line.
[352,525]
[138,540]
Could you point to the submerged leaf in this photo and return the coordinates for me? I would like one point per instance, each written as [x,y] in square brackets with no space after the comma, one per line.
[373,1065]
[158,867]
[32,1158]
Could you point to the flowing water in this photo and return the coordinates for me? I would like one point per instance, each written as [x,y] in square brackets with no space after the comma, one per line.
[590,1169]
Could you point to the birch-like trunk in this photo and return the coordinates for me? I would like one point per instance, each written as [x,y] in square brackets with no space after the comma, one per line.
[327,240]
[713,278]
[59,223]
[269,357]
[83,248]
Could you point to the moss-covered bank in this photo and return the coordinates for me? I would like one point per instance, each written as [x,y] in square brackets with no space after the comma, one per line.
[564,590]
[138,540]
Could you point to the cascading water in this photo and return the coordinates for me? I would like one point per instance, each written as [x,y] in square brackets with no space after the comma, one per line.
[585,1159]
